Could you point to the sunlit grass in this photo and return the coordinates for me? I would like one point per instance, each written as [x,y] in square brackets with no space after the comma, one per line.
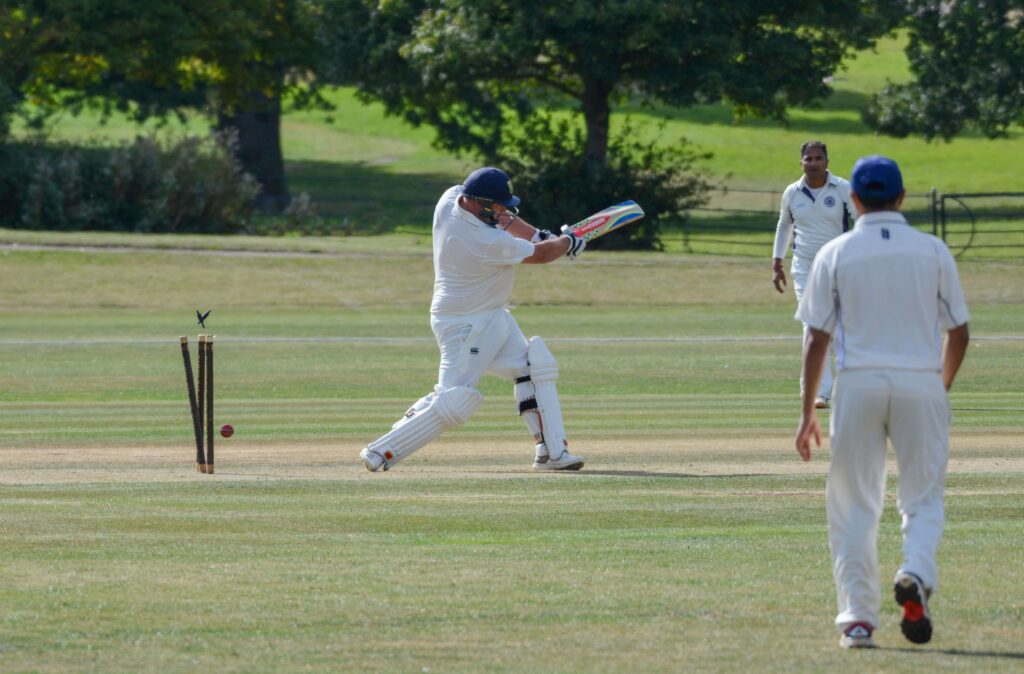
[693,540]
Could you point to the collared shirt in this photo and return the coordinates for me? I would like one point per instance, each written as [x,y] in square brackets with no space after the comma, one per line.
[474,263]
[810,221]
[886,292]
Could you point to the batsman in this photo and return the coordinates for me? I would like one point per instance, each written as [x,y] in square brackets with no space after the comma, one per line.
[478,240]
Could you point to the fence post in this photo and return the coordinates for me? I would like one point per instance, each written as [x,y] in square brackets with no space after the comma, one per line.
[934,195]
[942,216]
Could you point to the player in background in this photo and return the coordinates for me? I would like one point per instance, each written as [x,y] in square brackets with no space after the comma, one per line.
[815,210]
[884,292]
[479,239]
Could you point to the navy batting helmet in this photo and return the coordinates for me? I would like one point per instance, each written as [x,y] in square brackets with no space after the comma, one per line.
[490,184]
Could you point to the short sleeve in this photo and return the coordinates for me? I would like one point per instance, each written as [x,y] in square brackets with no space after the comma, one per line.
[506,250]
[952,306]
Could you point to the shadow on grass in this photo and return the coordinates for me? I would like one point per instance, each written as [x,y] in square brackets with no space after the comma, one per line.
[838,114]
[1010,655]
[720,114]
[368,198]
[649,473]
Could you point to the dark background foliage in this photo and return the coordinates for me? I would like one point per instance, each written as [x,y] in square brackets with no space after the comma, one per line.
[548,165]
[189,185]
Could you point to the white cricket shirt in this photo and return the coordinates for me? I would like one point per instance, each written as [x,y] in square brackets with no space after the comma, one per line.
[474,263]
[810,221]
[886,292]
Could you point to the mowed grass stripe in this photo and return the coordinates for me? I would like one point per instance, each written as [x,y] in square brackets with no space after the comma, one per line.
[168,422]
[466,588]
[584,414]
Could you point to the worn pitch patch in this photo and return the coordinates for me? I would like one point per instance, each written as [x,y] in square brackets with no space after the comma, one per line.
[473,454]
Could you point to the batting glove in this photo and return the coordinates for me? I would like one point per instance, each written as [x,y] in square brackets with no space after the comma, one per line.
[542,235]
[576,243]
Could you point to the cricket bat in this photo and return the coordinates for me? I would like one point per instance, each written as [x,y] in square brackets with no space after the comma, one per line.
[608,220]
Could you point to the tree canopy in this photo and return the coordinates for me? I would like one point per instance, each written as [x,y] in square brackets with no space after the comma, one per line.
[967,59]
[158,56]
[154,58]
[462,65]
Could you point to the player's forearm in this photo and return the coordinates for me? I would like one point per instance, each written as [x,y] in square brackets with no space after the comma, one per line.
[520,229]
[548,251]
[953,353]
[815,350]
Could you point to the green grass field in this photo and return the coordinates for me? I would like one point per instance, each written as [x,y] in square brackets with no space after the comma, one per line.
[694,540]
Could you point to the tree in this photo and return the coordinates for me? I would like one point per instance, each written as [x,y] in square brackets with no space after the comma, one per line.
[17,44]
[967,59]
[235,60]
[463,65]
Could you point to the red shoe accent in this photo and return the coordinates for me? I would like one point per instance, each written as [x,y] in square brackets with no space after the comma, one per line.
[913,611]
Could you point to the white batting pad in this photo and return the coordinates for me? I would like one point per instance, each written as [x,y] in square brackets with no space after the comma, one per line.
[452,407]
[417,407]
[544,373]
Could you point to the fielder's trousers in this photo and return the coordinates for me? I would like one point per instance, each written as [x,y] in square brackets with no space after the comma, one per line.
[910,408]
[825,385]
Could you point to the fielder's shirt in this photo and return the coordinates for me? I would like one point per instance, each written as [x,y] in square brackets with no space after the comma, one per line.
[811,220]
[474,263]
[886,292]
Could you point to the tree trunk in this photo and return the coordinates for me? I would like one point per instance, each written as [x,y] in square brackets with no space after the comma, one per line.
[257,120]
[596,113]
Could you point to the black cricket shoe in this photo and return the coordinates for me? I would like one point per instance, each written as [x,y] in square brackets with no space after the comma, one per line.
[912,596]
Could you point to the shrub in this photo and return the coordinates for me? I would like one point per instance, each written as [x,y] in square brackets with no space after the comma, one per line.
[299,218]
[546,161]
[189,185]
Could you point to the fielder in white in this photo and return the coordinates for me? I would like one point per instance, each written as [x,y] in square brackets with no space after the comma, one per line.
[815,210]
[885,292]
[478,241]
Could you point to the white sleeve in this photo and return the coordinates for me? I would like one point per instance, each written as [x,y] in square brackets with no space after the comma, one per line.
[952,306]
[784,229]
[506,250]
[819,307]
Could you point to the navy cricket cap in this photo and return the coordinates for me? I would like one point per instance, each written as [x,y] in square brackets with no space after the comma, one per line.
[490,184]
[876,177]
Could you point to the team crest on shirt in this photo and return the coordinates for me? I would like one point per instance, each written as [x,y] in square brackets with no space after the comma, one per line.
[830,201]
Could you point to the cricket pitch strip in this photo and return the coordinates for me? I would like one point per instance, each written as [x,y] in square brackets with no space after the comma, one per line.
[469,454]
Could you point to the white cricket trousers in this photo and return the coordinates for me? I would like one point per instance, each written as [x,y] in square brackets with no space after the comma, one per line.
[825,385]
[489,341]
[911,408]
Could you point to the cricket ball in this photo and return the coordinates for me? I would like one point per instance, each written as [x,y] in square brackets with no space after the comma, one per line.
[227,430]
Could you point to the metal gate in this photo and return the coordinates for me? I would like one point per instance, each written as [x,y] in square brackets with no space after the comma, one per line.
[982,224]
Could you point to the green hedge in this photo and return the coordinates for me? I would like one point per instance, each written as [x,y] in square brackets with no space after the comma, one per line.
[189,184]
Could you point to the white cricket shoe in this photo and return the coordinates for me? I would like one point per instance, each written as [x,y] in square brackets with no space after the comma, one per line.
[857,635]
[372,460]
[566,461]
